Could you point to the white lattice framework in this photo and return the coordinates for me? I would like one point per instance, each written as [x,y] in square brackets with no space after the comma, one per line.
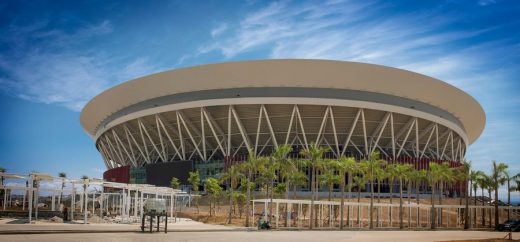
[213,132]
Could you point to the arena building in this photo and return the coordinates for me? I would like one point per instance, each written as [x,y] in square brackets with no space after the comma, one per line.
[207,117]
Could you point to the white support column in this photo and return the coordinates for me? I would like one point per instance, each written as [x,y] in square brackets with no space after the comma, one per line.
[446,144]
[416,138]
[333,122]
[195,145]
[322,126]
[380,129]
[129,134]
[393,135]
[406,137]
[364,131]
[241,128]
[268,121]
[437,141]
[290,125]
[214,130]
[121,144]
[30,191]
[229,131]
[301,126]
[151,140]
[73,202]
[203,138]
[160,138]
[260,114]
[428,140]
[170,138]
[148,160]
[347,140]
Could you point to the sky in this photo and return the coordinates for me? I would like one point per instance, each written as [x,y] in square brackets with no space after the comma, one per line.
[57,55]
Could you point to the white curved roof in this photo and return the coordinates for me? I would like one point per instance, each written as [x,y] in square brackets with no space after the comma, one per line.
[289,73]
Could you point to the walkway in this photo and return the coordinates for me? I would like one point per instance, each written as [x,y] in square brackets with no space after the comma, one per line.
[271,236]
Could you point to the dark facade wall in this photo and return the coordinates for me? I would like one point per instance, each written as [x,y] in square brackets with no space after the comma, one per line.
[119,174]
[160,174]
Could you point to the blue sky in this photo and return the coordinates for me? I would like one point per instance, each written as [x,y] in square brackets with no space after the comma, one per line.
[56,55]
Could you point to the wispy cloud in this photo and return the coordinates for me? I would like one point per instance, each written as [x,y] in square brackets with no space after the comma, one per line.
[423,41]
[57,67]
[219,30]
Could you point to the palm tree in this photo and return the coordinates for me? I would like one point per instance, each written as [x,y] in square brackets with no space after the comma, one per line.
[465,173]
[250,167]
[314,154]
[194,180]
[287,168]
[402,171]
[62,175]
[346,166]
[270,174]
[328,177]
[498,179]
[482,182]
[433,178]
[359,181]
[420,177]
[175,183]
[381,175]
[391,175]
[474,179]
[213,189]
[508,178]
[232,176]
[2,170]
[85,181]
[372,165]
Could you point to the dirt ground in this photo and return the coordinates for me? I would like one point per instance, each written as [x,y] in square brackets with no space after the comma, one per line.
[221,216]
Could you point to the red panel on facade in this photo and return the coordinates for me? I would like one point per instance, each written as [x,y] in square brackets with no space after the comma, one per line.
[119,174]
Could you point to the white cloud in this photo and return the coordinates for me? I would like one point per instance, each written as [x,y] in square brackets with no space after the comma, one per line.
[219,30]
[424,42]
[56,67]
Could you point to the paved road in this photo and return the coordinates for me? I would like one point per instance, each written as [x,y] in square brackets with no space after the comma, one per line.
[270,236]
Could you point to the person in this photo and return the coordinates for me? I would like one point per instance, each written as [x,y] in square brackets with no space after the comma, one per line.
[259,223]
[65,214]
[265,225]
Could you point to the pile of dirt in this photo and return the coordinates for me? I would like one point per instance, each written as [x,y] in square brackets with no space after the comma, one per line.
[56,219]
[96,219]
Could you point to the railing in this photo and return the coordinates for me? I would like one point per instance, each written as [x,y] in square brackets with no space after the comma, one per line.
[385,215]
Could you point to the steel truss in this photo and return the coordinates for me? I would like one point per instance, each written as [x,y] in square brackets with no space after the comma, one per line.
[224,132]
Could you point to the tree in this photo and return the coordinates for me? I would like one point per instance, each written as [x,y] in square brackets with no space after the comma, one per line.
[214,191]
[402,171]
[314,154]
[346,166]
[232,176]
[433,178]
[194,180]
[328,177]
[391,174]
[250,167]
[286,169]
[483,183]
[2,170]
[474,179]
[62,175]
[465,172]
[498,178]
[508,178]
[175,183]
[381,175]
[371,167]
[85,182]
[359,181]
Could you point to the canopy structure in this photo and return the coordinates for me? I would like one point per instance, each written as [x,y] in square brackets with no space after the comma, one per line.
[118,199]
